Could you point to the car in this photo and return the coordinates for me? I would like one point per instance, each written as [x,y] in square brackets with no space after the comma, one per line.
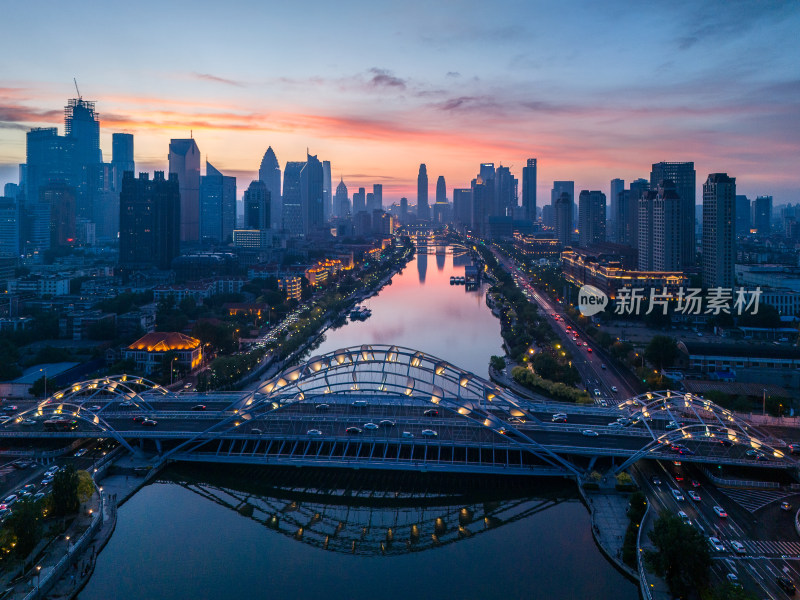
[678,476]
[149,422]
[596,392]
[387,423]
[731,576]
[359,404]
[590,433]
[752,452]
[588,349]
[12,408]
[370,426]
[516,420]
[720,512]
[786,506]
[199,407]
[693,495]
[314,432]
[695,483]
[431,412]
[559,419]
[255,431]
[716,544]
[353,430]
[794,448]
[126,403]
[429,433]
[614,389]
[139,418]
[95,407]
[615,424]
[603,366]
[678,495]
[677,463]
[684,517]
[786,584]
[81,452]
[738,547]
[672,425]
[28,423]
[407,434]
[656,481]
[46,481]
[603,402]
[30,487]
[51,471]
[187,386]
[322,407]
[10,499]
[725,442]
[39,496]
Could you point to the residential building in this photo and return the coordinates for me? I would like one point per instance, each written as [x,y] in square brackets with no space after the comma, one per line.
[667,229]
[719,238]
[591,218]
[528,190]
[762,215]
[742,215]
[683,175]
[562,215]
[293,286]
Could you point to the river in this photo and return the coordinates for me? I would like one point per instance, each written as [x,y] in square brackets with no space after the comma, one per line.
[237,533]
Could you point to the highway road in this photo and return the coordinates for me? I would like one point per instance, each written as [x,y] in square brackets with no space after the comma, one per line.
[595,371]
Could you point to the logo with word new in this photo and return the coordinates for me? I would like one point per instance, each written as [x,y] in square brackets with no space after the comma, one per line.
[591,300]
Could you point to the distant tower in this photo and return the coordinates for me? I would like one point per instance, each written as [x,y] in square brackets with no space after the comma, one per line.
[423,210]
[762,215]
[342,202]
[217,206]
[311,194]
[562,213]
[121,157]
[505,192]
[719,237]
[403,210]
[441,190]
[683,175]
[592,218]
[292,201]
[616,188]
[184,161]
[462,206]
[327,191]
[742,215]
[667,231]
[269,173]
[359,201]
[481,200]
[529,190]
[257,206]
[559,187]
[377,194]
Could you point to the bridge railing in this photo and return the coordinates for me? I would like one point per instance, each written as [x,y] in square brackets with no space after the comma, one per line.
[643,585]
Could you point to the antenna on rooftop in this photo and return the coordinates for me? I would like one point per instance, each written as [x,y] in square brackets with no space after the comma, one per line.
[76,89]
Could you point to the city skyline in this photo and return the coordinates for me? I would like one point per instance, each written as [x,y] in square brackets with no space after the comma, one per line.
[706,85]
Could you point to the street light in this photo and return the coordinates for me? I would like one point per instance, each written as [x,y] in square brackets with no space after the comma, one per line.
[172,368]
[45,380]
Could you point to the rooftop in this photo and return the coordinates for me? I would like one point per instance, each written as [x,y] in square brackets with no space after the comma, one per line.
[164,341]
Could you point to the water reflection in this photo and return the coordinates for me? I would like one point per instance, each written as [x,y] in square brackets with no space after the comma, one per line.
[441,252]
[422,263]
[369,514]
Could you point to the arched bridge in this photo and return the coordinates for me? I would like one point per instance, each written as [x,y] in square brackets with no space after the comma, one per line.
[388,407]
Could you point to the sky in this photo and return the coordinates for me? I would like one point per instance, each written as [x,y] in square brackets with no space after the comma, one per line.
[593,90]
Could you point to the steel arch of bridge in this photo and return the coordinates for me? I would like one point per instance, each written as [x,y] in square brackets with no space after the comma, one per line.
[399,374]
[73,400]
[713,422]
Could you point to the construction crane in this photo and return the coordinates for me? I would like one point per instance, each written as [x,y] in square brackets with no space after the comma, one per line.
[76,89]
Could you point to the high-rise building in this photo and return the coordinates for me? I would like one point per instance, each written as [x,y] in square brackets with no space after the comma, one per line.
[327,192]
[616,188]
[257,205]
[371,203]
[529,190]
[742,215]
[486,172]
[292,200]
[481,201]
[121,157]
[82,124]
[462,206]
[441,189]
[403,210]
[184,161]
[311,194]
[645,229]
[61,199]
[217,206]
[591,218]
[269,173]
[360,201]
[627,222]
[10,225]
[342,201]
[562,214]
[150,220]
[559,187]
[683,175]
[505,192]
[377,195]
[762,214]
[48,160]
[548,216]
[423,210]
[667,229]
[719,238]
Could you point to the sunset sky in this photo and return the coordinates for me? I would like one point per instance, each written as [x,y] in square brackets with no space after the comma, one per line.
[594,90]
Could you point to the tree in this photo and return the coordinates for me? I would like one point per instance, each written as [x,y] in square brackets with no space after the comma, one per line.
[767,316]
[682,559]
[498,363]
[65,492]
[662,351]
[38,388]
[85,486]
[25,523]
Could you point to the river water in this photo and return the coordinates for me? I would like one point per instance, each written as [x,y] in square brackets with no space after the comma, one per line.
[242,532]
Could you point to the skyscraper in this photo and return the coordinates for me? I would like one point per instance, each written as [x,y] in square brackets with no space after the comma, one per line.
[184,161]
[529,190]
[217,206]
[403,210]
[462,206]
[559,187]
[481,198]
[342,201]
[150,220]
[719,239]
[762,214]
[292,200]
[617,187]
[327,191]
[742,215]
[645,229]
[371,202]
[562,213]
[311,194]
[269,173]
[257,206]
[423,210]
[360,201]
[627,221]
[591,218]
[82,126]
[505,192]
[683,175]
[61,199]
[441,189]
[667,243]
[121,157]
[10,225]
[377,194]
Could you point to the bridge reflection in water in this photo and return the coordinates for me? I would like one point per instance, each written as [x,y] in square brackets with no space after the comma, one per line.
[372,513]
